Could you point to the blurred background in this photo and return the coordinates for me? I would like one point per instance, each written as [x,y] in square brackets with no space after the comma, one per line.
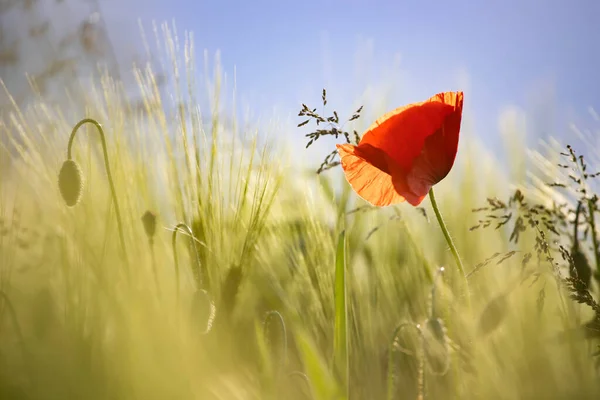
[95,307]
[525,65]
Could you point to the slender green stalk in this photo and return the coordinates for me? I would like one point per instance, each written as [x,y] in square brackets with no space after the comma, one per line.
[108,173]
[198,279]
[461,269]
[421,367]
[340,340]
[281,353]
[450,242]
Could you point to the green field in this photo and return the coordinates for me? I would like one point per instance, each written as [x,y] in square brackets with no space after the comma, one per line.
[315,294]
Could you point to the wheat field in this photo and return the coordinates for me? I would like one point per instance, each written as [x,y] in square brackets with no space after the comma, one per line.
[233,272]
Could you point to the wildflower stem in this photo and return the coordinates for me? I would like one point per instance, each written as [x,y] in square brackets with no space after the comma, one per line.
[108,173]
[449,240]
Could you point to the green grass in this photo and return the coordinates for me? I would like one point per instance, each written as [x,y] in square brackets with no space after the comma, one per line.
[307,294]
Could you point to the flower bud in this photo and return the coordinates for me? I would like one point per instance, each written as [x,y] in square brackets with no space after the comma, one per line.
[70,182]
[149,221]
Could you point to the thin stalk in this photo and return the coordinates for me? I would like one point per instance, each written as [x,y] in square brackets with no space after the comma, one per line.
[282,353]
[592,221]
[198,276]
[196,271]
[108,173]
[459,264]
[450,242]
[421,368]
[591,210]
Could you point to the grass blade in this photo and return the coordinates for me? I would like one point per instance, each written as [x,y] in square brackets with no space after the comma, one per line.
[340,343]
[323,384]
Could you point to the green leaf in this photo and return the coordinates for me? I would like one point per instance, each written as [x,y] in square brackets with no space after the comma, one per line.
[322,382]
[340,341]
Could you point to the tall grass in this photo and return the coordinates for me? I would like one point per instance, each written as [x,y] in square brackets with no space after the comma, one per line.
[268,236]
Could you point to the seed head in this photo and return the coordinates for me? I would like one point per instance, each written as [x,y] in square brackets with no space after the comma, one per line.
[149,221]
[436,346]
[437,328]
[70,182]
[580,266]
[231,286]
[493,314]
[204,310]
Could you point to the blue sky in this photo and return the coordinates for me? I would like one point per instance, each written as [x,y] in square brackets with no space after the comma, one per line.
[538,55]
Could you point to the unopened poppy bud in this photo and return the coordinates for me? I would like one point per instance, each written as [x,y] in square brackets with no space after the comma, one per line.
[70,182]
[149,221]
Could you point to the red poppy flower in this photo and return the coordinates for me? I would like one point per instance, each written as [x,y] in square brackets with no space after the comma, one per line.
[405,152]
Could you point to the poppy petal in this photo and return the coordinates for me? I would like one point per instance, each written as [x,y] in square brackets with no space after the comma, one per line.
[405,185]
[370,182]
[438,153]
[405,152]
[401,133]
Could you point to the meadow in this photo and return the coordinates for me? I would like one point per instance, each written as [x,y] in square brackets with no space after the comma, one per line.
[209,266]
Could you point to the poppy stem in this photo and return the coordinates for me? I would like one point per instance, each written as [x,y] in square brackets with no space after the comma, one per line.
[450,242]
[108,174]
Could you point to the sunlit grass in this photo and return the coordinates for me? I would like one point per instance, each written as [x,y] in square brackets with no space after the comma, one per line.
[76,321]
